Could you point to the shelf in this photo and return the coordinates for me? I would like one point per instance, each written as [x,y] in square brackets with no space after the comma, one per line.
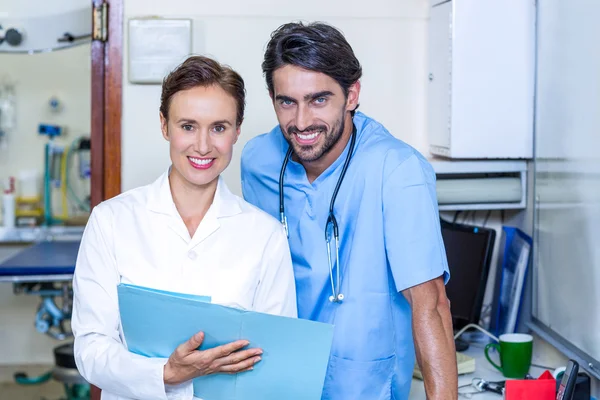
[480,184]
[444,166]
[36,234]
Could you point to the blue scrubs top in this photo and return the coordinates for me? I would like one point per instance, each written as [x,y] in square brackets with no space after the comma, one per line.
[390,241]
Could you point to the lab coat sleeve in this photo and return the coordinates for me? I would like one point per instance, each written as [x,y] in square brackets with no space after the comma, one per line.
[100,355]
[413,240]
[276,291]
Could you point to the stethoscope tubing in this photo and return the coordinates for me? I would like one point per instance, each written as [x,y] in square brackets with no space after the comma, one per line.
[335,297]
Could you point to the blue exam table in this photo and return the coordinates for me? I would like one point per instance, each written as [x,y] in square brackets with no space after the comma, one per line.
[41,262]
[45,269]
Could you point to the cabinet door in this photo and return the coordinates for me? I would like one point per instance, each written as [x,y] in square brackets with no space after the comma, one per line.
[440,71]
[433,3]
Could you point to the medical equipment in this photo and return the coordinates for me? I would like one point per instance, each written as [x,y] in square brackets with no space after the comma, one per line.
[80,148]
[85,162]
[331,226]
[46,269]
[29,29]
[53,153]
[8,204]
[65,371]
[57,173]
[479,386]
[30,210]
[7,112]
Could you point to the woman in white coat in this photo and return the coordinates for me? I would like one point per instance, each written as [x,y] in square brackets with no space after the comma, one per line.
[186,232]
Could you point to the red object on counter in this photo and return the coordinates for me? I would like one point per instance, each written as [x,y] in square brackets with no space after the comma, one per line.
[543,388]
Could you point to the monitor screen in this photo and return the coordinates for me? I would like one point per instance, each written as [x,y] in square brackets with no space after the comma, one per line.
[469,253]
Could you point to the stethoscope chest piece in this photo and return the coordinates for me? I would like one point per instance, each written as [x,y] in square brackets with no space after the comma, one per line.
[337,299]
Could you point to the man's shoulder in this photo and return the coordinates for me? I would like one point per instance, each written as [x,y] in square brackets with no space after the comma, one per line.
[262,152]
[264,147]
[260,144]
[380,144]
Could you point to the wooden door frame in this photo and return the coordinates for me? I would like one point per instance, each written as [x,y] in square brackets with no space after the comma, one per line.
[107,71]
[106,90]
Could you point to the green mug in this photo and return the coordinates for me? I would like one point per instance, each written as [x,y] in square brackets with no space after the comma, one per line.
[515,351]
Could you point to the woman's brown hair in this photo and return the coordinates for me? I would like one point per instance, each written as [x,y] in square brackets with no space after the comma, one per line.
[203,71]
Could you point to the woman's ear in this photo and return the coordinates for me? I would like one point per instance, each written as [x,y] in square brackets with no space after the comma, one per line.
[238,130]
[163,127]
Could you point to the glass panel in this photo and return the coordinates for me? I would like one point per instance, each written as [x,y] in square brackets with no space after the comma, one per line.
[45,114]
[567,172]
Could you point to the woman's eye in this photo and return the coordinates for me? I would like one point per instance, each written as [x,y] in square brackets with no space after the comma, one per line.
[187,127]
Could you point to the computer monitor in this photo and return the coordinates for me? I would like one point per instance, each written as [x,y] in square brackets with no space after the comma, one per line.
[469,252]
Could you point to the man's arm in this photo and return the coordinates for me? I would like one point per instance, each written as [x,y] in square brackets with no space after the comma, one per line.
[433,336]
[417,259]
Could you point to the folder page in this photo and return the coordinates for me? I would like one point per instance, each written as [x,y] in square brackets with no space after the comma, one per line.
[296,351]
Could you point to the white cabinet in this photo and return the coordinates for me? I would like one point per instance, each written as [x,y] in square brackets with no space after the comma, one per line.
[481,79]
[436,2]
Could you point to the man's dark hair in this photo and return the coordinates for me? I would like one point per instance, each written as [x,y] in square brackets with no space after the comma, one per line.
[316,47]
[203,71]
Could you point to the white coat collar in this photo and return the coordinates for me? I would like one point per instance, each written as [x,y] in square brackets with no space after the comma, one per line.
[160,200]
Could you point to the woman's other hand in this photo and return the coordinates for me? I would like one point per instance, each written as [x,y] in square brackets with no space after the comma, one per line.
[187,362]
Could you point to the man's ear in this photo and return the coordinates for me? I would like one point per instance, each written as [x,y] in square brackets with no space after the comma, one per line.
[353,96]
[163,127]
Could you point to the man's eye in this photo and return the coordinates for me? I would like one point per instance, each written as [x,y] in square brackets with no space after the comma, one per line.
[287,102]
[320,100]
[187,127]
[219,128]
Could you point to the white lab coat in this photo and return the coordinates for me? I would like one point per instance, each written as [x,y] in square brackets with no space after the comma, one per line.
[239,256]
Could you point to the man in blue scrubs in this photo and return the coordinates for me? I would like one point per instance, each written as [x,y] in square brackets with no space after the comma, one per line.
[390,301]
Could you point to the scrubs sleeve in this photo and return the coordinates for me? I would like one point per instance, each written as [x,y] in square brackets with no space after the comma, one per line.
[276,292]
[100,355]
[248,191]
[413,240]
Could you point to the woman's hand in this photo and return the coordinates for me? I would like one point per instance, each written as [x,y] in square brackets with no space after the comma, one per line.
[187,362]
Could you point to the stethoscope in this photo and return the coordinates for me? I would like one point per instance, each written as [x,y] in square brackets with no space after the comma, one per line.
[336,296]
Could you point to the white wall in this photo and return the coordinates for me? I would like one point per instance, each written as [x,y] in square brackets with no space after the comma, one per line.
[388,36]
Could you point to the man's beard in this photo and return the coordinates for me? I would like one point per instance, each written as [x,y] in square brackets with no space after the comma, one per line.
[311,152]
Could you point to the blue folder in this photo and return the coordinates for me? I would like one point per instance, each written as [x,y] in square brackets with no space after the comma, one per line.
[507,300]
[295,351]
